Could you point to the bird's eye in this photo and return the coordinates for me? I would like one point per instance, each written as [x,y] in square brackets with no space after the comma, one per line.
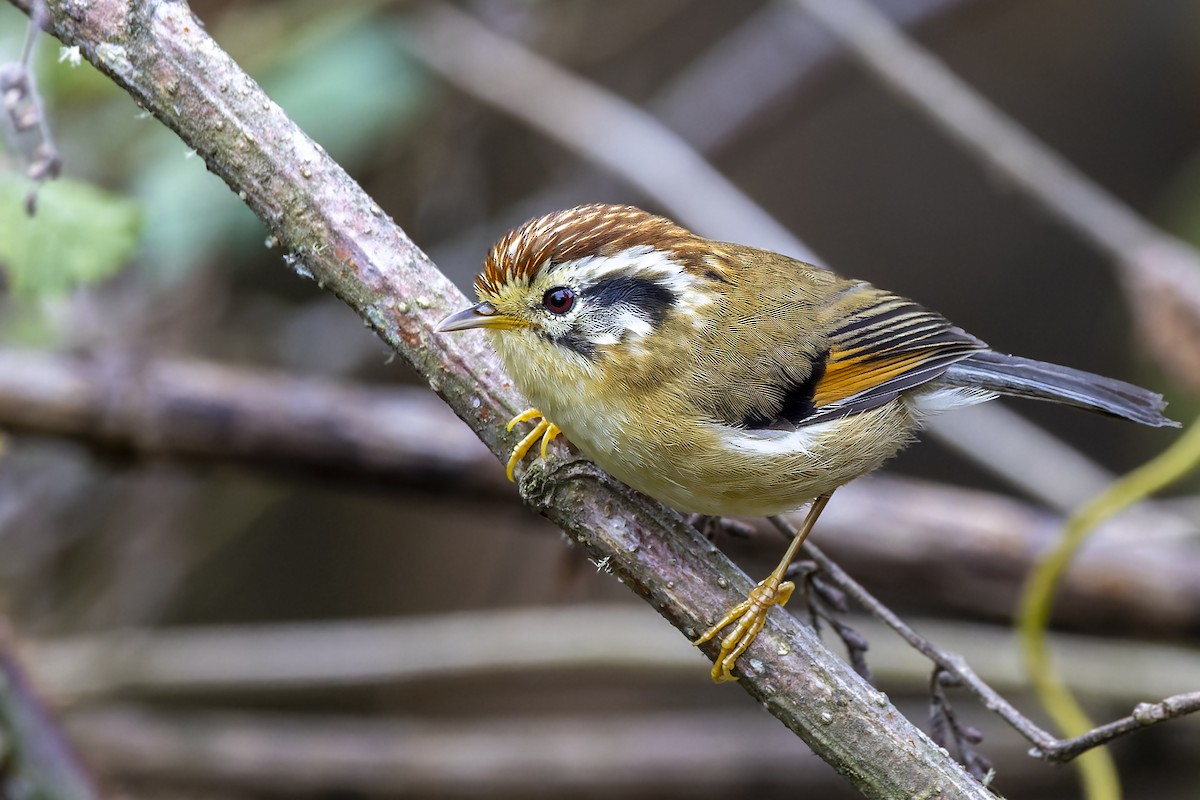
[559,300]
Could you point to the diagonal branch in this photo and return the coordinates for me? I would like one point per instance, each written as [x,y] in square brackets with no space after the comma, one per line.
[163,57]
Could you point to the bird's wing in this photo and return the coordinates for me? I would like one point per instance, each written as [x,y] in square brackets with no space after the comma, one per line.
[884,348]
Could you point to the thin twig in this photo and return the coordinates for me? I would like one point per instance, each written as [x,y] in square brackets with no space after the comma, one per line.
[35,758]
[1143,715]
[1046,745]
[948,729]
[24,115]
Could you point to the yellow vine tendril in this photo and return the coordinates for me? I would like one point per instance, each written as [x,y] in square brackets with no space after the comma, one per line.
[1096,767]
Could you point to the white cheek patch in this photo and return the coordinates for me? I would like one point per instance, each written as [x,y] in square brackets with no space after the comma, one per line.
[634,323]
[606,338]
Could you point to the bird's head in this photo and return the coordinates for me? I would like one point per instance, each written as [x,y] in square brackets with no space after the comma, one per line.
[590,289]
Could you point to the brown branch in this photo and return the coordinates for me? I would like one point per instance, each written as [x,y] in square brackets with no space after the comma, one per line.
[319,657]
[163,56]
[198,409]
[949,546]
[937,544]
[676,754]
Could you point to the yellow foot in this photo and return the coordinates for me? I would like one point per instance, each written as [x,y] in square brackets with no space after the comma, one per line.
[750,616]
[545,430]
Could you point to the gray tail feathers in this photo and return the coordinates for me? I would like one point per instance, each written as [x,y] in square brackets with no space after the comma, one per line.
[1024,377]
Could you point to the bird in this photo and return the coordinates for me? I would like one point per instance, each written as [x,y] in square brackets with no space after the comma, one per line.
[726,380]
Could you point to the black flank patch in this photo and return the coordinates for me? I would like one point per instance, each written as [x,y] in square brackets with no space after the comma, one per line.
[797,401]
[652,300]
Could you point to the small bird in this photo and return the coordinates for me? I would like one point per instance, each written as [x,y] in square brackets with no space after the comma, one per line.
[731,381]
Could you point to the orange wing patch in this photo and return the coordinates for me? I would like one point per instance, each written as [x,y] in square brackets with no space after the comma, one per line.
[847,375]
[885,348]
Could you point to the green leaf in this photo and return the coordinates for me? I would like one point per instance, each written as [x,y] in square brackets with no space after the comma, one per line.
[80,234]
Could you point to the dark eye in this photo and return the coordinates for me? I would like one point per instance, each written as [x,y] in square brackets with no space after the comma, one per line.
[559,300]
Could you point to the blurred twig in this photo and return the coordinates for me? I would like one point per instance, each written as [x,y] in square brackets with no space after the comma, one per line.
[35,759]
[597,124]
[710,102]
[24,115]
[920,542]
[164,58]
[322,657]
[1161,273]
[205,410]
[940,544]
[666,754]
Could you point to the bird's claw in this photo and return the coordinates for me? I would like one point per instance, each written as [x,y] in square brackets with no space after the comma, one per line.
[545,430]
[750,616]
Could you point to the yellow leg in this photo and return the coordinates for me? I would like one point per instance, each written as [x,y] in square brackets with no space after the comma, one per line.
[751,614]
[545,430]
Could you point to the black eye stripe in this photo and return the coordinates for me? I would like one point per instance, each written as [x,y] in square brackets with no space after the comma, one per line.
[651,299]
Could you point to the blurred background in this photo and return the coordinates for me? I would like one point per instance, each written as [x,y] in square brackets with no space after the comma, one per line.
[245,553]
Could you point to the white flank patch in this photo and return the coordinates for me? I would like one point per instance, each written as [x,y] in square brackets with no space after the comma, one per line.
[938,399]
[772,442]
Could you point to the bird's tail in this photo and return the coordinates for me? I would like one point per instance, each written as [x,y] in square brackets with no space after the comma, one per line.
[1024,377]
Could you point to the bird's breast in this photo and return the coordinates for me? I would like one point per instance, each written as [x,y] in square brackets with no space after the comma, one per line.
[656,440]
[696,465]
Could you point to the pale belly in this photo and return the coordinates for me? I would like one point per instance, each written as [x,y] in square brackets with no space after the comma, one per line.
[716,469]
[725,471]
